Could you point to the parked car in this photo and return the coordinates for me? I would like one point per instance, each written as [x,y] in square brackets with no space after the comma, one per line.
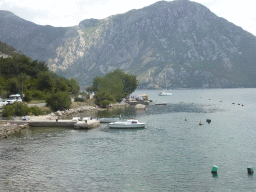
[13,98]
[2,103]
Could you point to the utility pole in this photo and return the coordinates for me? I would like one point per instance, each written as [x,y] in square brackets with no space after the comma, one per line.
[22,86]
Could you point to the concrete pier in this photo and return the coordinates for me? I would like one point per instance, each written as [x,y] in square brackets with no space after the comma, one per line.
[62,123]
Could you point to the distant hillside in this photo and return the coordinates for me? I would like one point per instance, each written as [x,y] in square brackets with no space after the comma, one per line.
[35,41]
[8,51]
[178,44]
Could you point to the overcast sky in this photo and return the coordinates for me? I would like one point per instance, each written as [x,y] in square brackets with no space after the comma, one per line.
[69,13]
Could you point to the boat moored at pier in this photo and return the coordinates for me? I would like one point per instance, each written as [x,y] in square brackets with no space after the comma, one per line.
[131,123]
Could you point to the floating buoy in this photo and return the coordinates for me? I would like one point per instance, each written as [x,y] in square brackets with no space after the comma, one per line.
[214,169]
[201,123]
[208,120]
[250,170]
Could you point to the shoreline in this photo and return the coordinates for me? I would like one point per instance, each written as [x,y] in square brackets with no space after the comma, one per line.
[11,128]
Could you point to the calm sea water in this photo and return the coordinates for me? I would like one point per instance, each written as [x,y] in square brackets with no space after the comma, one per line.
[170,154]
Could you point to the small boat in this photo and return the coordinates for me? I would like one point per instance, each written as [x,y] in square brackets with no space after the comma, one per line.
[131,123]
[164,93]
[163,103]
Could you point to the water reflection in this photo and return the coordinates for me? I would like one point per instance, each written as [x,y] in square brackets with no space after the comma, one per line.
[215,175]
[131,112]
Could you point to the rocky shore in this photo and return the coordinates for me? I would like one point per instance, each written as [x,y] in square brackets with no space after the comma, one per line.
[10,128]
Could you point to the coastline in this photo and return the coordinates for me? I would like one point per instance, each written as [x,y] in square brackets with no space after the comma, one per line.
[10,128]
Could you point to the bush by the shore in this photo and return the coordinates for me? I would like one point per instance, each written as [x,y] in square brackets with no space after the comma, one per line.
[59,101]
[20,109]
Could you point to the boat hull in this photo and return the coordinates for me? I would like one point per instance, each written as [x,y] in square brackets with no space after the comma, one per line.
[125,125]
[165,94]
[161,103]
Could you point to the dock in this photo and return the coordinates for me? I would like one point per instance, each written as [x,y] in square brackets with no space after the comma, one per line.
[87,124]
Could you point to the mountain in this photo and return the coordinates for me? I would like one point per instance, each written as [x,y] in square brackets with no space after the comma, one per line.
[33,40]
[175,44]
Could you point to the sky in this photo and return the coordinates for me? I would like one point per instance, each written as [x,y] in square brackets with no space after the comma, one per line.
[63,13]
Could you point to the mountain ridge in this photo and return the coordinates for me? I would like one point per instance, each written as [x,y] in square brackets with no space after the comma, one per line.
[179,43]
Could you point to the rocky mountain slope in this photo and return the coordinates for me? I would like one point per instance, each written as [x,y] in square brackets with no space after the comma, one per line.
[175,44]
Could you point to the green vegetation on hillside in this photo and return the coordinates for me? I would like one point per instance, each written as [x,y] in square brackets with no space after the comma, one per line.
[8,50]
[20,75]
[113,87]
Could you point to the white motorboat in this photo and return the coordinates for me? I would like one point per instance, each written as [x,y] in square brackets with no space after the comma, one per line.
[131,123]
[164,93]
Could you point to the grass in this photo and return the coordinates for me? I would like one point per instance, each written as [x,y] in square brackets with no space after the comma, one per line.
[46,110]
[36,101]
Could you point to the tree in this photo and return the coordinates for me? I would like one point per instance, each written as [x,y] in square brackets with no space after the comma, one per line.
[45,81]
[116,84]
[61,85]
[89,89]
[74,87]
[13,86]
[97,83]
[113,84]
[59,101]
[130,81]
[103,98]
[2,85]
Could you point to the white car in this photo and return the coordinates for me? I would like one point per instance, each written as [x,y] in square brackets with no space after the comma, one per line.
[2,103]
[13,98]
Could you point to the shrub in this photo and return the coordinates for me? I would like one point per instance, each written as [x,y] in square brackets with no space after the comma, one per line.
[59,101]
[21,109]
[105,103]
[77,99]
[8,111]
[38,95]
[35,110]
[104,98]
[28,96]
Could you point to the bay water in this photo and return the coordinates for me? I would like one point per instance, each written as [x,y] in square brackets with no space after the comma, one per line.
[170,154]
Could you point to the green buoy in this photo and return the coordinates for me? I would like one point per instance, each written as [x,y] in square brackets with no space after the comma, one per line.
[214,169]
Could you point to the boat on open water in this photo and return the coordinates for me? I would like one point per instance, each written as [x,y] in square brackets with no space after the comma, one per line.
[165,93]
[131,123]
